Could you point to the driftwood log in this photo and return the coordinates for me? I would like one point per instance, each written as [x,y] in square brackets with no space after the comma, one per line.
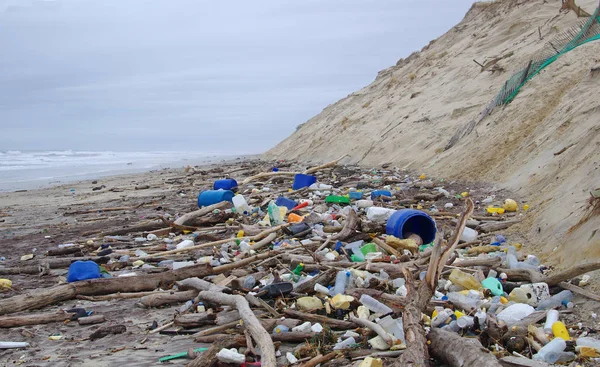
[35,319]
[456,351]
[195,319]
[161,299]
[251,323]
[417,353]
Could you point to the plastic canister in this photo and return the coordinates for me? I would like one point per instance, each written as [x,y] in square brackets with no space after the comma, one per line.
[302,180]
[241,205]
[536,293]
[493,285]
[225,184]
[406,221]
[82,270]
[355,195]
[368,248]
[210,197]
[469,235]
[288,203]
[377,193]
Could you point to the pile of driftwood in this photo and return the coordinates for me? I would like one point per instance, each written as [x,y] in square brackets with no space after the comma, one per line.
[224,304]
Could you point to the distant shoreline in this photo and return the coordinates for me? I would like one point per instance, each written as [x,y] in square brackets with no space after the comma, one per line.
[68,176]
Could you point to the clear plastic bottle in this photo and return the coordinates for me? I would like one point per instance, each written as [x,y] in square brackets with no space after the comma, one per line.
[460,301]
[441,317]
[186,306]
[345,343]
[557,300]
[341,280]
[551,351]
[465,280]
[374,305]
[587,341]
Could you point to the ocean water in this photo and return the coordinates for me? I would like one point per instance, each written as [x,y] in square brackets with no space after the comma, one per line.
[34,169]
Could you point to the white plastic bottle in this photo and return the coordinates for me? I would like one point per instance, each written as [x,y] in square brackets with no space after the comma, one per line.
[551,318]
[374,305]
[241,205]
[377,214]
[551,351]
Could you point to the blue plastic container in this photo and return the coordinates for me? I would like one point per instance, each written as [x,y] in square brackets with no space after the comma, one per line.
[210,197]
[377,193]
[82,270]
[301,180]
[288,203]
[225,184]
[355,195]
[406,221]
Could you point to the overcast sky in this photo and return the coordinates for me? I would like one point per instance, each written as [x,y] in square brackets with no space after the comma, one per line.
[214,76]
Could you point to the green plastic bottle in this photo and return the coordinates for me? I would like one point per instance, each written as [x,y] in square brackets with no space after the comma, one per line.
[298,269]
[337,199]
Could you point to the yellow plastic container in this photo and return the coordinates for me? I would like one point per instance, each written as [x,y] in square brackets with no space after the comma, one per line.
[465,280]
[510,205]
[492,210]
[5,283]
[560,331]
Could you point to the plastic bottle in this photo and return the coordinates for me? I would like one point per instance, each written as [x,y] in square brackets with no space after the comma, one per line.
[249,282]
[230,356]
[374,305]
[186,306]
[469,235]
[587,341]
[556,301]
[377,214]
[515,313]
[345,343]
[441,317]
[241,205]
[185,244]
[341,280]
[465,322]
[298,269]
[465,280]
[364,203]
[457,299]
[560,331]
[281,329]
[274,214]
[10,345]
[392,326]
[551,318]
[321,289]
[481,316]
[551,351]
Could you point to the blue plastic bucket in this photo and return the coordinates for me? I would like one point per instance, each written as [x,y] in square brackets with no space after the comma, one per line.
[210,197]
[302,180]
[225,184]
[82,270]
[377,193]
[406,221]
[288,203]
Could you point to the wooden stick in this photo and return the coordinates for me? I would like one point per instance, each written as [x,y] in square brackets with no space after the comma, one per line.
[38,298]
[319,359]
[110,297]
[91,320]
[389,249]
[216,329]
[220,242]
[387,338]
[258,332]
[268,174]
[35,319]
[186,218]
[160,299]
[323,166]
[575,289]
[554,279]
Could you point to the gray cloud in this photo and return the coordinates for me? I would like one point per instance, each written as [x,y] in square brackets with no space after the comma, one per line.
[229,76]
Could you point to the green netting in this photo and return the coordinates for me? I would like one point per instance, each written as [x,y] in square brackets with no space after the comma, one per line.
[586,31]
